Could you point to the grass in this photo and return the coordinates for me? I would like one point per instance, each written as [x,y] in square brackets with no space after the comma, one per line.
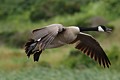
[41,73]
[14,58]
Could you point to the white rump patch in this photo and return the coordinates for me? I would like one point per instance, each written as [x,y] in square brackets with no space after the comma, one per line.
[100,29]
[39,39]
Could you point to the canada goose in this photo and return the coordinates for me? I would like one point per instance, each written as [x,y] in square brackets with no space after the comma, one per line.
[56,35]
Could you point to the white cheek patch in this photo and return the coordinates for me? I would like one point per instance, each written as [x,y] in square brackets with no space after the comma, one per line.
[100,29]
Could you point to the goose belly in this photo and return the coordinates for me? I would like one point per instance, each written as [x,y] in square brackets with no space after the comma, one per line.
[61,40]
[55,44]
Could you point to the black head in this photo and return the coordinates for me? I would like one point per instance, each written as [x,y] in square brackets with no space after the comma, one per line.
[102,28]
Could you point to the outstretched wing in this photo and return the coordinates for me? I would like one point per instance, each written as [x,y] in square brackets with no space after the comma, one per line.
[88,45]
[46,35]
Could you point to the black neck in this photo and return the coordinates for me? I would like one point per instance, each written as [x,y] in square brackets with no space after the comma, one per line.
[88,29]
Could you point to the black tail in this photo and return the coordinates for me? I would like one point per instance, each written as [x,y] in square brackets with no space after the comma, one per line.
[37,55]
[29,47]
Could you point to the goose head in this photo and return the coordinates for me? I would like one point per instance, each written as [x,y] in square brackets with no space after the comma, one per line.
[102,28]
[99,28]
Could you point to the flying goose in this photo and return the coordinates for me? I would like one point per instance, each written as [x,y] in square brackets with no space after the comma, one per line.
[56,35]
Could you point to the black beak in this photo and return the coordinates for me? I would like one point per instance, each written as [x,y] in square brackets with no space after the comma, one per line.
[108,30]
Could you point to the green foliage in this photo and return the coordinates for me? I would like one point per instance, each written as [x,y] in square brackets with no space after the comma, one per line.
[14,39]
[40,9]
[45,64]
[45,9]
[50,8]
[13,7]
[77,59]
[42,73]
[112,8]
[114,57]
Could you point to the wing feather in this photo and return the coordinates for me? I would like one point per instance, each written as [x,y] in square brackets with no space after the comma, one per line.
[46,35]
[88,45]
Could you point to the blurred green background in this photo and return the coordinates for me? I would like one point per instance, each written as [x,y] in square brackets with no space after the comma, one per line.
[19,17]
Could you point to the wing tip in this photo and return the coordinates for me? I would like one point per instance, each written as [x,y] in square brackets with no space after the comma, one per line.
[102,61]
[106,63]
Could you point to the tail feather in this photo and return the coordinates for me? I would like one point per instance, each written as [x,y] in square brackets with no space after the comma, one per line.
[37,55]
[29,47]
